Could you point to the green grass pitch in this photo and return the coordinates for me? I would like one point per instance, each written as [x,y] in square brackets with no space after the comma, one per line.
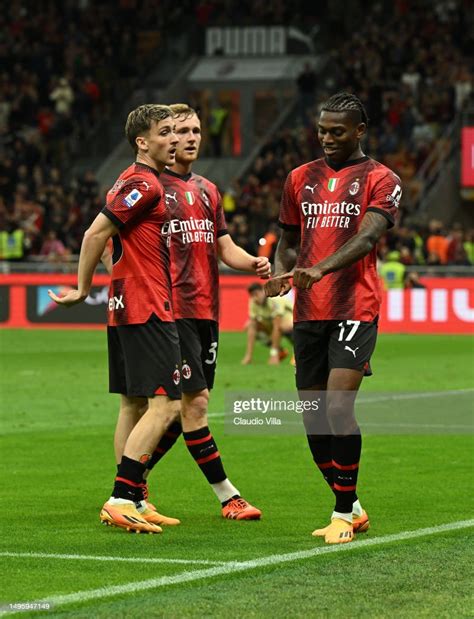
[57,456]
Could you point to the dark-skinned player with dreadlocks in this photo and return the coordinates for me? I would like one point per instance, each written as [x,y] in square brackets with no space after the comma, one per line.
[333,212]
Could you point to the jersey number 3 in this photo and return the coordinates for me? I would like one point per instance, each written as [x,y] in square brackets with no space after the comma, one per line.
[212,353]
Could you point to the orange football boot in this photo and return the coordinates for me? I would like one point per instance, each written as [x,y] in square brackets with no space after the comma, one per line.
[338,532]
[360,524]
[151,515]
[126,516]
[240,509]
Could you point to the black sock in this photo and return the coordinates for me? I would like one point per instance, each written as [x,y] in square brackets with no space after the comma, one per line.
[203,449]
[345,459]
[321,449]
[129,480]
[167,441]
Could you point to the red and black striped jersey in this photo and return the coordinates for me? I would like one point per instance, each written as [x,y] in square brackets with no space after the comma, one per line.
[327,205]
[141,282]
[196,222]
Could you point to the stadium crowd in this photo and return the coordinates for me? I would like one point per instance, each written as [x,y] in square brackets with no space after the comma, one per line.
[64,64]
[413,80]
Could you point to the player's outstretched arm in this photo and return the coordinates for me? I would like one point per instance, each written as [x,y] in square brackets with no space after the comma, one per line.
[372,227]
[285,260]
[237,258]
[106,257]
[92,248]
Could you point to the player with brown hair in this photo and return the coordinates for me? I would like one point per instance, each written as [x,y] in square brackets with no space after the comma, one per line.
[143,345]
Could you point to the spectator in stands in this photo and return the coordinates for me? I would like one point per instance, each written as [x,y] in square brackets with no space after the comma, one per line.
[463,85]
[456,253]
[393,271]
[411,77]
[412,280]
[239,230]
[423,136]
[469,245]
[268,242]
[229,203]
[433,259]
[12,242]
[437,243]
[388,141]
[218,118]
[52,248]
[306,83]
[63,97]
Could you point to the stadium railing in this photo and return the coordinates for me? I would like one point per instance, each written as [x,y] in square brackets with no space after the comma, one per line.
[444,304]
[40,265]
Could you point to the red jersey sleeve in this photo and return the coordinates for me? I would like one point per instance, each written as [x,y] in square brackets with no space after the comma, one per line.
[221,226]
[133,199]
[385,197]
[289,218]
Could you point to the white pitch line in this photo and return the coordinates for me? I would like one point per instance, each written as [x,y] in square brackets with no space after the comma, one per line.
[428,426]
[155,583]
[388,398]
[412,396]
[44,555]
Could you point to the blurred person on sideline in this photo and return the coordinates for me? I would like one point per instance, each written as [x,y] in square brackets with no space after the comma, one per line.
[270,319]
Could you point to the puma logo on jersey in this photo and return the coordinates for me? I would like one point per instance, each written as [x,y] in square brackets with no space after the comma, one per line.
[395,197]
[171,196]
[147,185]
[352,351]
[309,188]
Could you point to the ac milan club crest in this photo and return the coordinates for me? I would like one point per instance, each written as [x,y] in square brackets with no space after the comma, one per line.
[186,371]
[176,376]
[354,188]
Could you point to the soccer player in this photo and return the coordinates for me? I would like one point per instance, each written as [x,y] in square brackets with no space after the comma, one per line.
[198,238]
[269,320]
[144,357]
[333,212]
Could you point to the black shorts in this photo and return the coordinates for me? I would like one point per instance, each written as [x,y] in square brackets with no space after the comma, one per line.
[322,345]
[198,340]
[144,360]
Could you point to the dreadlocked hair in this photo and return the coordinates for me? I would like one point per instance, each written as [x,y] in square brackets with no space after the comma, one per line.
[346,102]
